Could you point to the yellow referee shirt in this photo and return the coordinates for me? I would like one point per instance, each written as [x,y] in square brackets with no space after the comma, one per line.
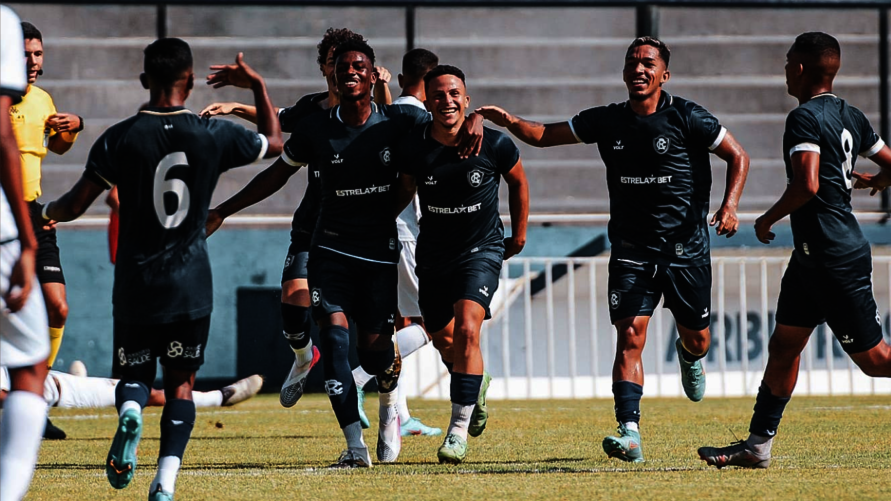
[29,124]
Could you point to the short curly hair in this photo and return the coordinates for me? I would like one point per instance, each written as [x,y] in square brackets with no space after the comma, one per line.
[333,38]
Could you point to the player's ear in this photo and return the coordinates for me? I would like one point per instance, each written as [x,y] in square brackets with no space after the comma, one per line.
[399,79]
[143,79]
[190,81]
[466,101]
[666,76]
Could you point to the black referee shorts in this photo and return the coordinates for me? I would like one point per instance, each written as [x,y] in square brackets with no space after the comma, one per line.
[439,288]
[49,266]
[362,290]
[840,295]
[636,286]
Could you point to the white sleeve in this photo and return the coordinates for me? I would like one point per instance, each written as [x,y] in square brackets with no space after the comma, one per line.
[13,81]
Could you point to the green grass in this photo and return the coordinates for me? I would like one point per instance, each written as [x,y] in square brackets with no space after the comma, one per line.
[829,448]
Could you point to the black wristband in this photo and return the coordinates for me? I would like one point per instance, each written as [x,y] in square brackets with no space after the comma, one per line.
[81,127]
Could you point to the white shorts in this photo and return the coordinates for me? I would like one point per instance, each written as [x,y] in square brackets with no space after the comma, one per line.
[408,281]
[24,335]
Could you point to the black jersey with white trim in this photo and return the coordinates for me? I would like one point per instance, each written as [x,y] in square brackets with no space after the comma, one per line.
[307,212]
[166,163]
[824,229]
[658,174]
[459,198]
[357,175]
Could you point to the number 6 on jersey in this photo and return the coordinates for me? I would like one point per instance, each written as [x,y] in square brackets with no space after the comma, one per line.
[178,187]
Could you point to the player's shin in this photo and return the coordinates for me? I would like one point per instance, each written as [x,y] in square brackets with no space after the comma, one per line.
[627,403]
[24,414]
[129,394]
[296,330]
[766,420]
[338,377]
[177,421]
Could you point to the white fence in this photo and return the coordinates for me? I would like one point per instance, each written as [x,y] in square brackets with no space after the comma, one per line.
[551,337]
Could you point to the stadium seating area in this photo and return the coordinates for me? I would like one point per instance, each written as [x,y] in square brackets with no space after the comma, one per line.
[541,63]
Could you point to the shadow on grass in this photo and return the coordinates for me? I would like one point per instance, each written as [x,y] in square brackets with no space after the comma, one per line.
[193,439]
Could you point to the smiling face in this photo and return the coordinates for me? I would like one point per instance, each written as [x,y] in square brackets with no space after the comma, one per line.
[644,72]
[33,58]
[447,100]
[354,76]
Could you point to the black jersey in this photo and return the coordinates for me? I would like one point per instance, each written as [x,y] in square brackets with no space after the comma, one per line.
[459,198]
[165,163]
[357,174]
[824,229]
[307,212]
[658,174]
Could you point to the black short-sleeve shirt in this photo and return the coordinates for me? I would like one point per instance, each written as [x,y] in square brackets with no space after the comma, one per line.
[459,198]
[357,175]
[166,163]
[658,174]
[307,212]
[825,230]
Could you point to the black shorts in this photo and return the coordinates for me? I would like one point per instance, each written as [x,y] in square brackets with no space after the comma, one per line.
[439,288]
[840,295]
[48,264]
[635,287]
[298,255]
[362,290]
[179,345]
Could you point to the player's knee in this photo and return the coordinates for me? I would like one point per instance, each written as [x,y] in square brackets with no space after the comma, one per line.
[294,318]
[442,344]
[377,362]
[697,343]
[57,312]
[630,338]
[335,341]
[468,335]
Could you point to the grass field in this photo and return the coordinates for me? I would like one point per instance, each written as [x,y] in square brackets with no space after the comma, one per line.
[829,448]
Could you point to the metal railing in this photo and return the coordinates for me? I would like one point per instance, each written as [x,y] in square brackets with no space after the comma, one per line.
[557,342]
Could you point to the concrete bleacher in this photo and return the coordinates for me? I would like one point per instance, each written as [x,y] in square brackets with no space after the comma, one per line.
[545,64]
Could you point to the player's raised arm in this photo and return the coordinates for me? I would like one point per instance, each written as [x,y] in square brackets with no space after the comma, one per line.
[802,187]
[725,219]
[532,133]
[240,110]
[518,201]
[242,75]
[261,187]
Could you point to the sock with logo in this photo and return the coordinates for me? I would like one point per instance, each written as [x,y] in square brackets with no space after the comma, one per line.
[338,378]
[24,415]
[294,324]
[627,401]
[130,394]
[768,412]
[56,334]
[177,421]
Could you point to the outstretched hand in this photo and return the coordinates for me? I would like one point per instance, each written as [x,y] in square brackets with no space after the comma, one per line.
[238,74]
[496,115]
[218,109]
[876,182]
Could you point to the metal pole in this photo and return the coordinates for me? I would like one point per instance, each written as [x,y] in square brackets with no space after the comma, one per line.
[647,21]
[161,27]
[410,25]
[884,97]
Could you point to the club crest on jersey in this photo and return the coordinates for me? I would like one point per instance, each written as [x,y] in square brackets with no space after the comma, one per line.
[337,160]
[679,249]
[385,156]
[661,144]
[475,178]
[615,299]
[316,297]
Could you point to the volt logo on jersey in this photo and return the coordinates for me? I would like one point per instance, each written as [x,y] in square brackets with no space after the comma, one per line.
[619,145]
[475,178]
[661,144]
[430,181]
[337,160]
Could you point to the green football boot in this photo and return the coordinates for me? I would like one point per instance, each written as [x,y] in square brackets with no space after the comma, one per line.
[453,450]
[692,375]
[363,419]
[625,447]
[120,465]
[480,415]
[160,495]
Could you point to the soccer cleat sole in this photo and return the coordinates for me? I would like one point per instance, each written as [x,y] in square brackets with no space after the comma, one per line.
[614,449]
[291,393]
[120,465]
